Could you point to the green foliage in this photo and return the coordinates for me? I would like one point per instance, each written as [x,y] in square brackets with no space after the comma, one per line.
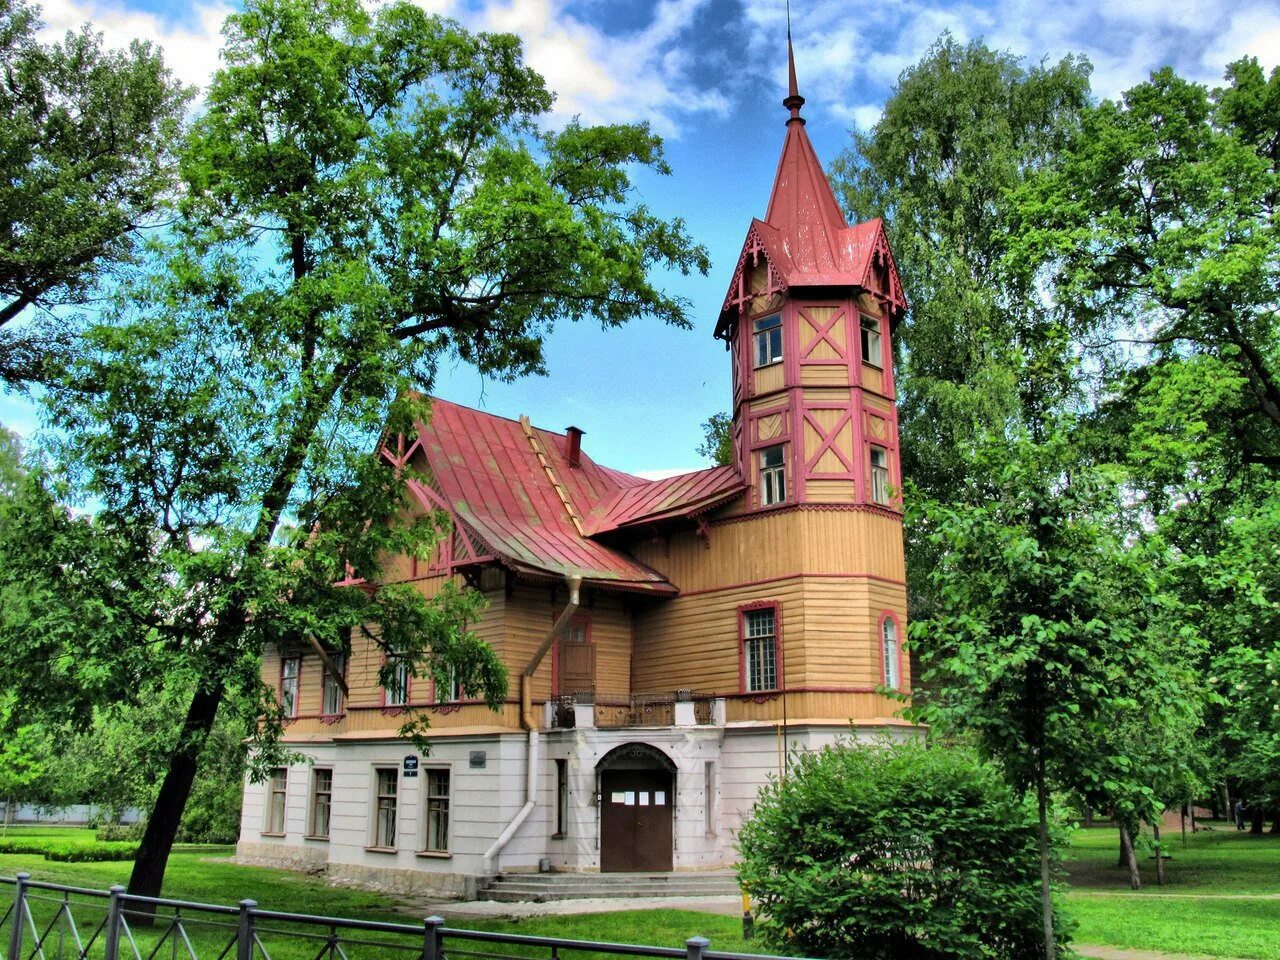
[976,351]
[86,159]
[717,442]
[69,851]
[894,850]
[11,469]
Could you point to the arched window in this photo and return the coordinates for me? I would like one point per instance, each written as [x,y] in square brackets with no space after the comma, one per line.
[889,653]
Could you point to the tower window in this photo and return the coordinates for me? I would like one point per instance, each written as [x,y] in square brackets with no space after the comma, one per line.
[880,475]
[768,333]
[773,476]
[330,692]
[760,650]
[871,348]
[889,643]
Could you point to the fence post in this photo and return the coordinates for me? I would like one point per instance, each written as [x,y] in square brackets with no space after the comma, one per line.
[115,912]
[244,930]
[695,946]
[432,938]
[19,914]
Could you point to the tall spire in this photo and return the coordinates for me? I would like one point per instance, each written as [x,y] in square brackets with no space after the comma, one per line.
[794,101]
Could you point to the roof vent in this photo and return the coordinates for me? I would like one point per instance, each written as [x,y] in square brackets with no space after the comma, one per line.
[573,445]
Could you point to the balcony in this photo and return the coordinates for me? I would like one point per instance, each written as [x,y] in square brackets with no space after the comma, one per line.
[682,708]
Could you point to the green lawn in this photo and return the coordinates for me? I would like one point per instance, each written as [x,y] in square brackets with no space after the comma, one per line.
[1189,914]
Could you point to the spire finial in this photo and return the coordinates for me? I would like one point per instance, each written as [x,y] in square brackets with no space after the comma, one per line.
[794,101]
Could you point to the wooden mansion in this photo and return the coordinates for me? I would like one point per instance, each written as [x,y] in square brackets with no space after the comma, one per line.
[668,641]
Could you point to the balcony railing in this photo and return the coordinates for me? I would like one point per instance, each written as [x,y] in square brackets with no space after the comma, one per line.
[678,709]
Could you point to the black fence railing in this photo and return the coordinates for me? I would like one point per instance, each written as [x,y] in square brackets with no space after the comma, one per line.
[48,921]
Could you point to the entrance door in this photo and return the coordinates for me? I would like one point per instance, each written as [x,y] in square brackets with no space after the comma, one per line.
[575,660]
[635,821]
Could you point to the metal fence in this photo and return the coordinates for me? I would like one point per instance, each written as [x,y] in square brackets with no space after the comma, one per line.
[48,921]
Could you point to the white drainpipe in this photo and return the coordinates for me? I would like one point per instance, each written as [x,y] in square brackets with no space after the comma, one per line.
[531,724]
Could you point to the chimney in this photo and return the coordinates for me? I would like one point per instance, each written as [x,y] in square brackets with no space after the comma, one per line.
[573,445]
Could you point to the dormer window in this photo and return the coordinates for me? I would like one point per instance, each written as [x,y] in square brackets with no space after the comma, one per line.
[773,476]
[768,334]
[872,352]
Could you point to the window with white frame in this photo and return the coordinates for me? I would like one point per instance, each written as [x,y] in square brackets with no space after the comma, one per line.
[396,692]
[386,800]
[768,336]
[330,692]
[436,833]
[879,475]
[277,792]
[889,642]
[450,691]
[773,476]
[321,802]
[872,350]
[760,649]
[290,670]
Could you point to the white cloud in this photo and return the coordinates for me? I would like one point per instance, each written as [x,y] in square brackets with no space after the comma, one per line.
[846,62]
[191,48]
[605,78]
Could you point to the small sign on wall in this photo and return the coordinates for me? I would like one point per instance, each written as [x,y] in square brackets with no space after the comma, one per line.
[410,767]
[478,759]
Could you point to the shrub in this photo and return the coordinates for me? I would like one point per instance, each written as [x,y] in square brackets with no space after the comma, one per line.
[891,851]
[121,831]
[92,852]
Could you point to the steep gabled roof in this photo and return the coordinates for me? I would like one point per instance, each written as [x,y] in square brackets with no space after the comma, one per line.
[510,487]
[804,235]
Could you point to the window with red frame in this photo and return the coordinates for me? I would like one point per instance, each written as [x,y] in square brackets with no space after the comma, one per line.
[760,649]
[889,652]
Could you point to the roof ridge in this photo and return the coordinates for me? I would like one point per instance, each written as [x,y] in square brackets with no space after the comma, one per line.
[541,453]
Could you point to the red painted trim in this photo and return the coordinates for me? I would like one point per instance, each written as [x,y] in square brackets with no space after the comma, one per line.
[421,705]
[776,606]
[879,642]
[795,576]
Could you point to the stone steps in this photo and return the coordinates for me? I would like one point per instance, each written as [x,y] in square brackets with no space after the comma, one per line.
[542,887]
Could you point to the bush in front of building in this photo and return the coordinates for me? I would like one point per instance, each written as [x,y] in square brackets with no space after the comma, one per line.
[890,850]
[69,851]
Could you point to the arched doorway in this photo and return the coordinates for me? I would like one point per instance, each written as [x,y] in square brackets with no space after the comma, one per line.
[637,809]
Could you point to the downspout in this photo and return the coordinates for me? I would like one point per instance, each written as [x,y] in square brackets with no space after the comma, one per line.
[530,723]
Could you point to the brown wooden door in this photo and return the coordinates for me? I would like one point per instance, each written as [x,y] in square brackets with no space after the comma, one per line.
[575,661]
[636,821]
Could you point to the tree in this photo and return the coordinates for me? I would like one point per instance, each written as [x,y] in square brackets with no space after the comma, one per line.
[717,442]
[1038,641]
[1155,228]
[367,194]
[86,161]
[976,350]
[10,461]
[892,850]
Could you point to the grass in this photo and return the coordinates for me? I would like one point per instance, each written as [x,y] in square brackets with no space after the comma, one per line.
[1214,902]
[1222,898]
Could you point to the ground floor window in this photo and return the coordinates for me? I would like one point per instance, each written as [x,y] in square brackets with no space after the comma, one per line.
[562,798]
[889,643]
[387,790]
[437,832]
[321,802]
[276,795]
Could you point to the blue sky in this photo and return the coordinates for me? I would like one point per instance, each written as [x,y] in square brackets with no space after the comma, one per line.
[710,75]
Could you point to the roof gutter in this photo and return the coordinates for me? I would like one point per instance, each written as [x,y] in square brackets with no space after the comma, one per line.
[530,723]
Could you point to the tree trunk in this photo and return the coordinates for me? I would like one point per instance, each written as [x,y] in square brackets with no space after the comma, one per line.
[1275,822]
[1155,831]
[1122,859]
[1046,898]
[1258,820]
[166,815]
[1130,858]
[1225,800]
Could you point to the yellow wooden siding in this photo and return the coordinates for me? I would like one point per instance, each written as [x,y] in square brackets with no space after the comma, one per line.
[768,427]
[769,379]
[841,620]
[818,425]
[388,722]
[872,378]
[824,375]
[831,491]
[692,642]
[814,347]
[814,706]
[778,544]
[869,305]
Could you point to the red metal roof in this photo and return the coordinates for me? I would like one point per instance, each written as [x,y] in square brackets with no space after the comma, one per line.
[804,233]
[488,471]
